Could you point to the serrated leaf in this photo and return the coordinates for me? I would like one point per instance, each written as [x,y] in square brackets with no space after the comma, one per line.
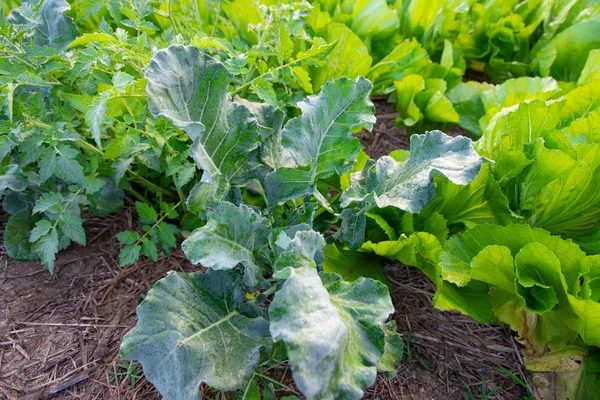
[320,141]
[185,174]
[232,235]
[149,249]
[6,145]
[190,88]
[302,78]
[46,248]
[334,324]
[166,234]
[47,165]
[128,237]
[409,185]
[129,254]
[67,167]
[350,57]
[285,46]
[48,201]
[146,212]
[190,331]
[72,226]
[96,116]
[41,228]
[264,90]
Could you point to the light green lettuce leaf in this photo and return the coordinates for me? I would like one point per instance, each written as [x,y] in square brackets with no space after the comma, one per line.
[534,282]
[562,194]
[352,265]
[407,58]
[591,69]
[585,130]
[539,278]
[495,265]
[579,102]
[407,89]
[510,130]
[371,18]
[432,22]
[460,250]
[350,58]
[191,331]
[570,49]
[515,91]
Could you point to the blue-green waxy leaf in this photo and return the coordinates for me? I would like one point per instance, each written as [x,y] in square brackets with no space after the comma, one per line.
[299,251]
[57,30]
[190,331]
[409,185]
[233,235]
[190,88]
[319,141]
[335,325]
[52,27]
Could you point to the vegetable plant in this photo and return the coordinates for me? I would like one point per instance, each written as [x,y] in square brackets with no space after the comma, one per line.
[269,193]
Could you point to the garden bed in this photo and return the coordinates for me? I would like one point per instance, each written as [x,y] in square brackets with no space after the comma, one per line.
[60,334]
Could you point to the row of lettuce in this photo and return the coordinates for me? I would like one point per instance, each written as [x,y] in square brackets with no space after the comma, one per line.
[218,139]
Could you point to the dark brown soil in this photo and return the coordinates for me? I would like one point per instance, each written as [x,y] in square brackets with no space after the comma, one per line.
[60,335]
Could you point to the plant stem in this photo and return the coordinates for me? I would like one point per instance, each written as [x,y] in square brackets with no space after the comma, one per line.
[161,219]
[141,179]
[148,184]
[266,293]
[332,200]
[245,85]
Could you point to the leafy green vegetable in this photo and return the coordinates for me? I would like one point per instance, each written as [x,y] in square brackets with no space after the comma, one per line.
[409,185]
[319,141]
[335,324]
[206,337]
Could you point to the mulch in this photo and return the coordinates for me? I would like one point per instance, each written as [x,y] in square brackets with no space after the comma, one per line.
[60,334]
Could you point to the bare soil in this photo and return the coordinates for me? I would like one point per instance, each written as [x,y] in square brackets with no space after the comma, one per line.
[60,334]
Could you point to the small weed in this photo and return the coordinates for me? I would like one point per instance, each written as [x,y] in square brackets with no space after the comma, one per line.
[485,393]
[131,370]
[410,353]
[529,395]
